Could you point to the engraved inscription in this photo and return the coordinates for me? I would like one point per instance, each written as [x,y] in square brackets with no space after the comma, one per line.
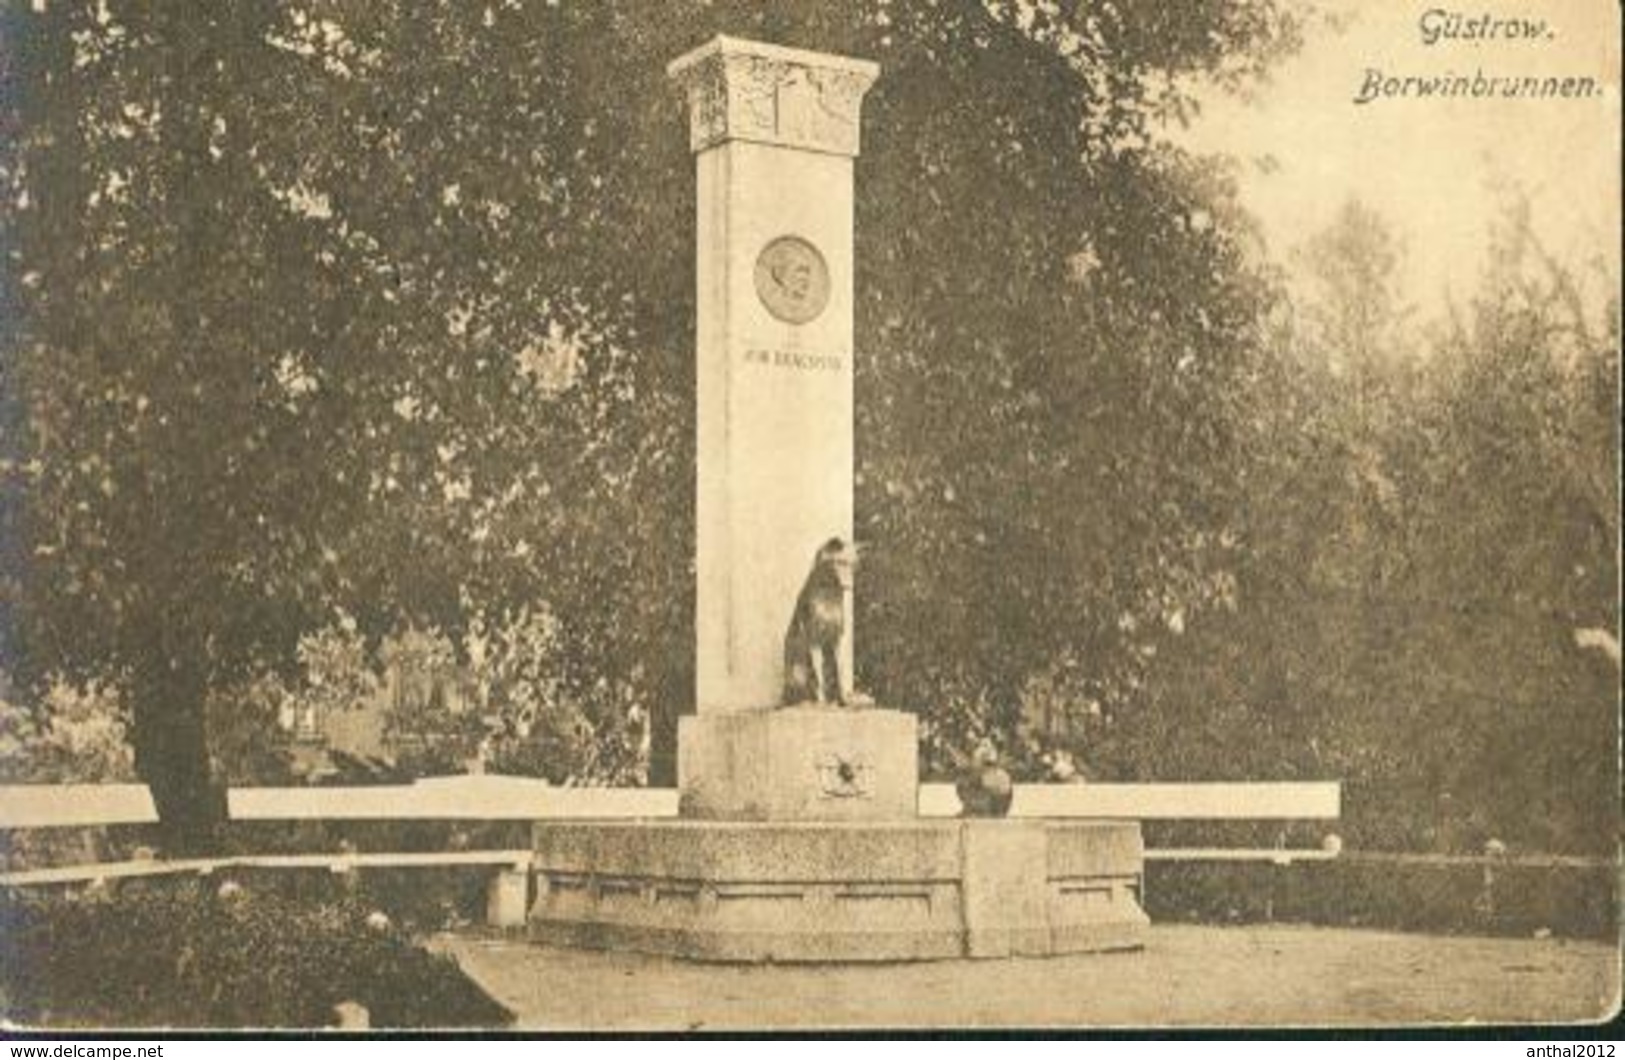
[807,362]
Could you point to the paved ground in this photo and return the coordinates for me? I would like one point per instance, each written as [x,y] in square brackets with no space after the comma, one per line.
[1186,976]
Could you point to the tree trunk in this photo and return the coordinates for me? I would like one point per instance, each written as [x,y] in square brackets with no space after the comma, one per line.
[172,756]
[673,698]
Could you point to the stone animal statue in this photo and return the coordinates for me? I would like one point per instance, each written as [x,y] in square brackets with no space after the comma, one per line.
[813,645]
[983,786]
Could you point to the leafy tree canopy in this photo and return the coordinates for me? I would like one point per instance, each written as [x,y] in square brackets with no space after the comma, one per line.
[388,307]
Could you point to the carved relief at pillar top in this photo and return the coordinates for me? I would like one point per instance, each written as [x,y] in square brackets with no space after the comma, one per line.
[742,90]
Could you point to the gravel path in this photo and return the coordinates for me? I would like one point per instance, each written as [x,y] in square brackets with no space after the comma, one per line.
[1186,976]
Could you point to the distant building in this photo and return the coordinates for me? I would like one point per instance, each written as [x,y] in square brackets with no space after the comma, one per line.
[374,731]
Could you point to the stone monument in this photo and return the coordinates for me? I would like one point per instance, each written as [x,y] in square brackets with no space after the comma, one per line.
[775,132]
[798,835]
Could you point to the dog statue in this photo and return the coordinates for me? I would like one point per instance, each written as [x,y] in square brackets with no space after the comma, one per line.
[815,643]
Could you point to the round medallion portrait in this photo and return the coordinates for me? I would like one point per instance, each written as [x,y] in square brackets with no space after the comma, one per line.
[792,280]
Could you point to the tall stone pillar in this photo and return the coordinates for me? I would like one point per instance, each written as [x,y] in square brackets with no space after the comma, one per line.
[774,131]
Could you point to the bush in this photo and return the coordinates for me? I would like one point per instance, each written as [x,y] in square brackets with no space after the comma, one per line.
[69,734]
[1571,901]
[248,743]
[184,954]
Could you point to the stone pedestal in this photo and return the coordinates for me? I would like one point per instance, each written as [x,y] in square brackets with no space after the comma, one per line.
[839,891]
[799,764]
[506,899]
[1005,888]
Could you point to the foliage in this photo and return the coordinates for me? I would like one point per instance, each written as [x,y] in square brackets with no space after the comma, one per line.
[522,718]
[1515,900]
[1354,316]
[1430,525]
[73,735]
[186,955]
[249,744]
[335,668]
[439,732]
[378,319]
[496,696]
[383,308]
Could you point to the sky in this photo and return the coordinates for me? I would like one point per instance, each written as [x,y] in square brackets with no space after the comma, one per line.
[1432,166]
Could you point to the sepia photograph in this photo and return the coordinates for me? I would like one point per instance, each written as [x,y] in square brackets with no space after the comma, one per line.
[810,516]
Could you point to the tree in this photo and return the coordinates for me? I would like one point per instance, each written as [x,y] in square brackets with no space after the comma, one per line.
[1429,537]
[387,307]
[1524,539]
